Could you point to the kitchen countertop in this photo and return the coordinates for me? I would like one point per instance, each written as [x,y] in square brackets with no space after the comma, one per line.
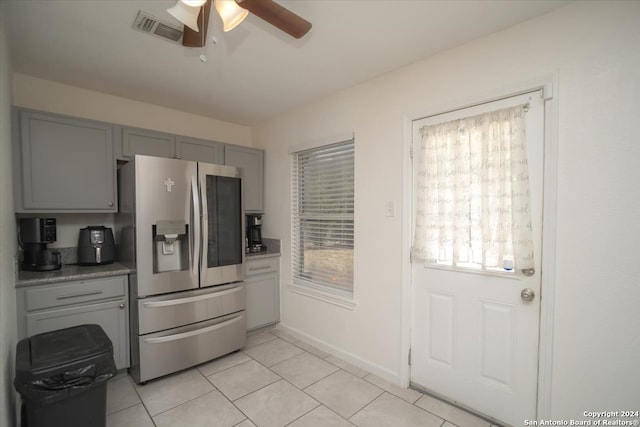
[70,272]
[273,250]
[263,254]
[73,272]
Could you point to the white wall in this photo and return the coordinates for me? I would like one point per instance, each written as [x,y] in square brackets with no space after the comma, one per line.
[45,95]
[593,49]
[7,241]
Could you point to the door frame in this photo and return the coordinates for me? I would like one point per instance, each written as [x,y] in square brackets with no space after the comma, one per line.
[549,86]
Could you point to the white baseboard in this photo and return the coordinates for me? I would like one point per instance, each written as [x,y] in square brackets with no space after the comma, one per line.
[373,368]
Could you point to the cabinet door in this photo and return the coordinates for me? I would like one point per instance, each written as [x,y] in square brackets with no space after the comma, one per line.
[199,150]
[263,299]
[67,165]
[111,316]
[251,161]
[147,142]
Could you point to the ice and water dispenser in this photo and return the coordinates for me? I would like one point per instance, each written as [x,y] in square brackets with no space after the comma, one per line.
[171,246]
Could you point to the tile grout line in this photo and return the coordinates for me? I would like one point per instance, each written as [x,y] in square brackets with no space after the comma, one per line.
[142,401]
[369,403]
[444,420]
[281,378]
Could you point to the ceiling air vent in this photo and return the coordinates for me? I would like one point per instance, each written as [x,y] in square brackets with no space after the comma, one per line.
[152,25]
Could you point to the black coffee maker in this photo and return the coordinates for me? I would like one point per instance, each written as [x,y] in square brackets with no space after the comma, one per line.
[35,234]
[254,234]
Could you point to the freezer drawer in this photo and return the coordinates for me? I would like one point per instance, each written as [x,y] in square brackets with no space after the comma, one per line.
[169,351]
[184,308]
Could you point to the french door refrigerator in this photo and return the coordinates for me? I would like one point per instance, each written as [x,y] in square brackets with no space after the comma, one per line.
[181,228]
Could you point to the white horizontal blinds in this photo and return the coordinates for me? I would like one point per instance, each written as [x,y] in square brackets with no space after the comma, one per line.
[473,192]
[322,216]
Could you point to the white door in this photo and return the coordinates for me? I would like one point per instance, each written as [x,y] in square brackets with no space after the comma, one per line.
[474,339]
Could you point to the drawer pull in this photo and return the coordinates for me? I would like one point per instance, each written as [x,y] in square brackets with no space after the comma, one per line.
[197,298]
[264,267]
[80,294]
[184,335]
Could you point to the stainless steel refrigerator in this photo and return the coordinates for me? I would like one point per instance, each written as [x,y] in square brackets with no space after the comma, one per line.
[181,227]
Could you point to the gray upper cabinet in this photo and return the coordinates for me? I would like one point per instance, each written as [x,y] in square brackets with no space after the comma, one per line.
[147,142]
[160,144]
[199,150]
[63,164]
[251,161]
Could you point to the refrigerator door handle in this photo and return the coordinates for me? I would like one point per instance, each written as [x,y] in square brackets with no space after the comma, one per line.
[197,235]
[204,239]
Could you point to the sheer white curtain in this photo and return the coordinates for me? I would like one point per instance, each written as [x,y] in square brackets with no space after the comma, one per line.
[473,193]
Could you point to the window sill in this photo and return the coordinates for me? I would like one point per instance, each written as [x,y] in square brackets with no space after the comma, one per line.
[329,297]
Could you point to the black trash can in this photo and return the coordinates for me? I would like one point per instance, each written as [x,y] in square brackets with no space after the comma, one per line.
[62,377]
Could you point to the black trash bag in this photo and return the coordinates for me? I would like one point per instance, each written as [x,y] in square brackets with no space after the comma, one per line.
[57,365]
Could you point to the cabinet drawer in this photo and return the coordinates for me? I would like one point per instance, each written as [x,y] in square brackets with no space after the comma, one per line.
[75,292]
[260,266]
[169,351]
[111,316]
[183,308]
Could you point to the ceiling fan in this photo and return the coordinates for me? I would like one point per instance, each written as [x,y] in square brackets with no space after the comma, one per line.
[194,14]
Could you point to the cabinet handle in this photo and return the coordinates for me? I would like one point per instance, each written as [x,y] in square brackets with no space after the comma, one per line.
[81,294]
[264,267]
[121,306]
[110,204]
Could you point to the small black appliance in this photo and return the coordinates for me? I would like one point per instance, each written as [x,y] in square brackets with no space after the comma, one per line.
[254,234]
[35,234]
[96,245]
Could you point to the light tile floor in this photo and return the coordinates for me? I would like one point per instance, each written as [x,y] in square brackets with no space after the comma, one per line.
[276,381]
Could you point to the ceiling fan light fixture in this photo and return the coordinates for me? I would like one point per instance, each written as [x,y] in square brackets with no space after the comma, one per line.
[231,13]
[186,14]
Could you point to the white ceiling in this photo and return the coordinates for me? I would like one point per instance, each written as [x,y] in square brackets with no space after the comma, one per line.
[255,71]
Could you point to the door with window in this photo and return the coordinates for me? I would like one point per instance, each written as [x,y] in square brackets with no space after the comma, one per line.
[475,276]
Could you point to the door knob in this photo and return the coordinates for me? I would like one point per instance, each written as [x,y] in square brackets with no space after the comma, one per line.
[527,294]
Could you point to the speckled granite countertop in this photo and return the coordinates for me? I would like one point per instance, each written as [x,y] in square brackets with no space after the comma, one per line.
[273,249]
[70,273]
[264,254]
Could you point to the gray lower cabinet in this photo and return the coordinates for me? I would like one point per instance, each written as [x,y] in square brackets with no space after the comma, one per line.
[63,164]
[262,284]
[251,161]
[101,301]
[160,144]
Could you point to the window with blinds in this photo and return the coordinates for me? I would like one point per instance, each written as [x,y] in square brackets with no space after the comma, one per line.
[322,217]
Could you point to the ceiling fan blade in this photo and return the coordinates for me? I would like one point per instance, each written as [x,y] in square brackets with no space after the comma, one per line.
[278,16]
[192,38]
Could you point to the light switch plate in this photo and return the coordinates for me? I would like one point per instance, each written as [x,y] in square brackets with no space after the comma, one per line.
[390,208]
